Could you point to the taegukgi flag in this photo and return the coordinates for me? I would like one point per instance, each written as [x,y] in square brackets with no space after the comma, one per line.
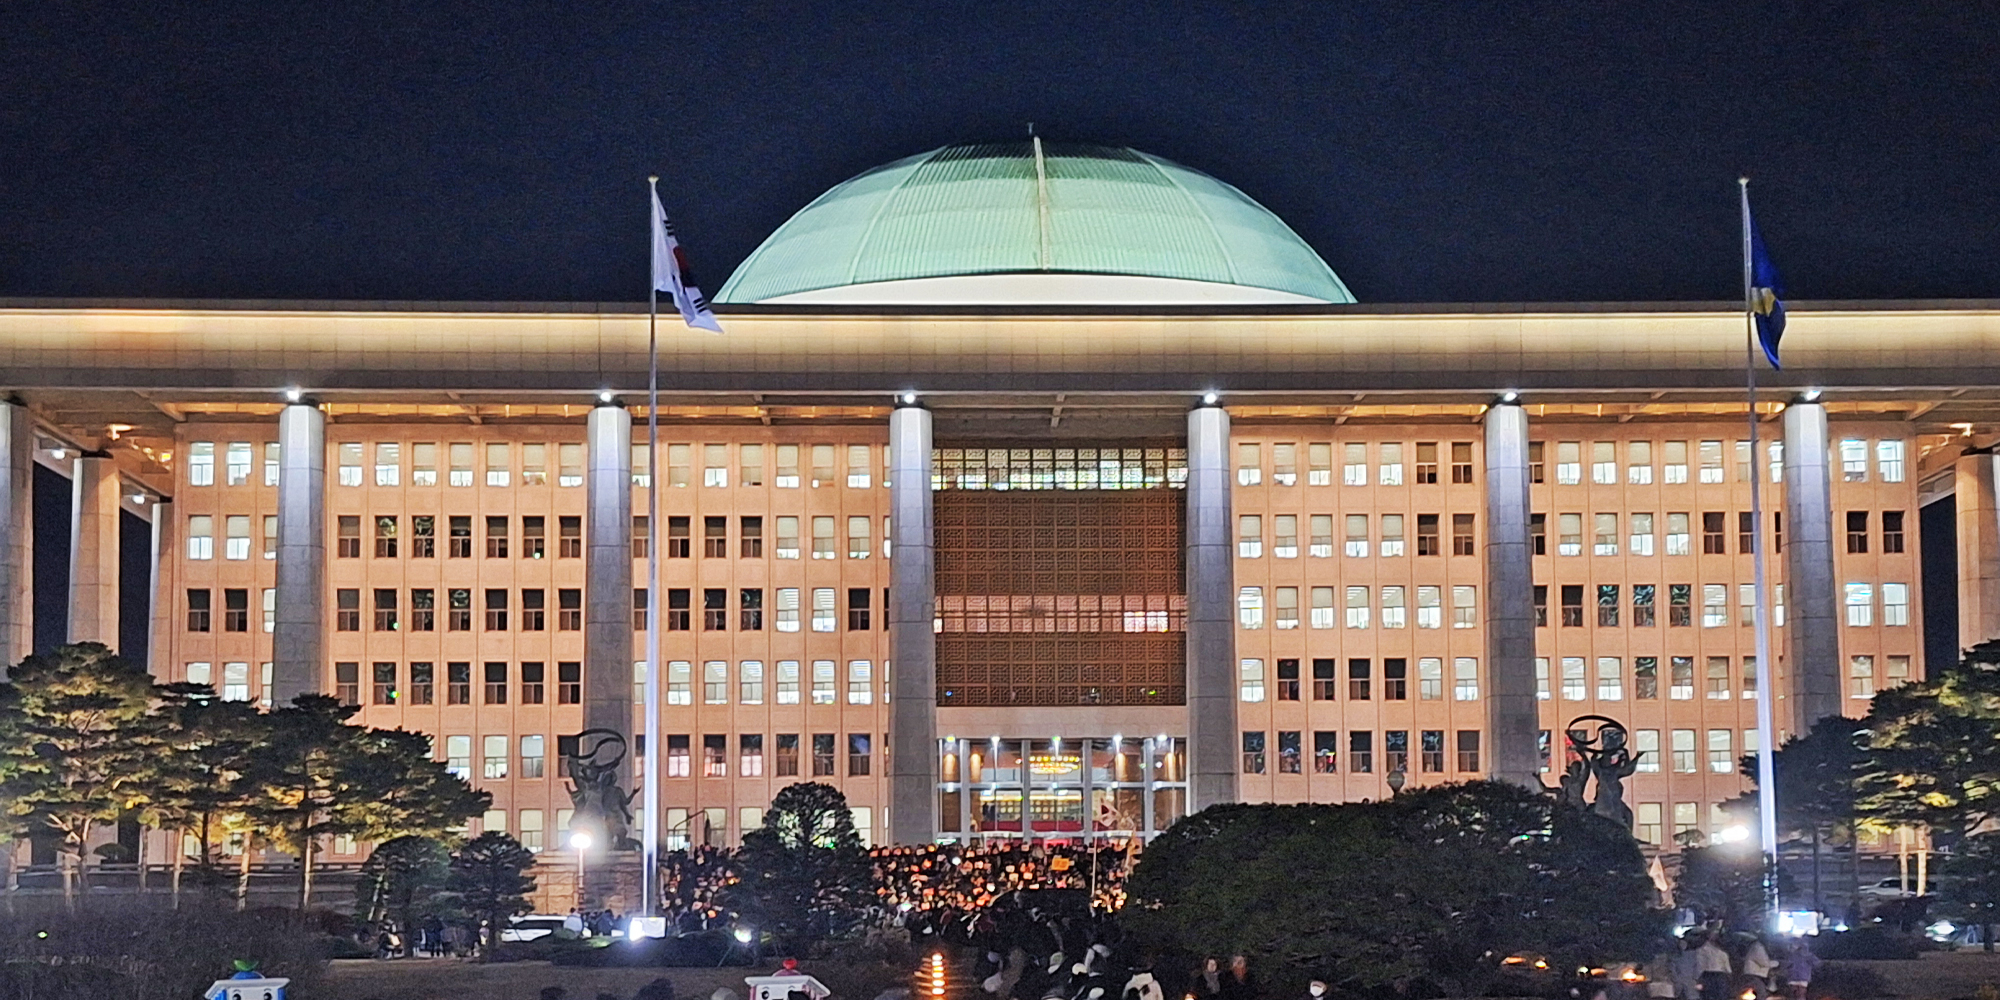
[670,273]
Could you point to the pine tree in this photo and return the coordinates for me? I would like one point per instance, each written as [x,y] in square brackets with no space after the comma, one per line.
[804,873]
[490,876]
[77,747]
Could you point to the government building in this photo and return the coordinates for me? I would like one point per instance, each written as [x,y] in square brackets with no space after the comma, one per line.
[1036,489]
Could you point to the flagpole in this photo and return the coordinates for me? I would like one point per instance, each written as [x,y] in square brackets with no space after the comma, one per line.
[1767,793]
[649,880]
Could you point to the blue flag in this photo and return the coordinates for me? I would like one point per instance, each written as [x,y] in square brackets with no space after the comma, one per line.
[1765,300]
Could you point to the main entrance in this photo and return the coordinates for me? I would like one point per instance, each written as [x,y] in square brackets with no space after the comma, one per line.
[1054,788]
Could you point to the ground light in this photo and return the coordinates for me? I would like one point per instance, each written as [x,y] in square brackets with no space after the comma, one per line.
[930,981]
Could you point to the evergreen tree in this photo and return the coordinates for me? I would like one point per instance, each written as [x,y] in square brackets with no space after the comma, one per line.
[399,880]
[1971,883]
[1814,777]
[76,746]
[200,781]
[804,874]
[1931,754]
[490,876]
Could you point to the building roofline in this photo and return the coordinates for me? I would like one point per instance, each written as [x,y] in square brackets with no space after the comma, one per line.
[1215,310]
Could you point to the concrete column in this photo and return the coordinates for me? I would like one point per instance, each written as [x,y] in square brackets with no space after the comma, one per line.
[93,551]
[1978,548]
[17,534]
[1211,614]
[160,596]
[607,574]
[913,757]
[1812,596]
[1512,712]
[298,634]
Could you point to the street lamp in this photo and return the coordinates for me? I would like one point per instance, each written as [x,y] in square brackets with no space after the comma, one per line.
[579,841]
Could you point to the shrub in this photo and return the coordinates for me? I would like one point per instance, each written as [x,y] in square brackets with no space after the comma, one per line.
[1868,944]
[1847,982]
[138,953]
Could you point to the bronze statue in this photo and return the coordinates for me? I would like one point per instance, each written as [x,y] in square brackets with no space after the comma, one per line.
[600,804]
[1601,754]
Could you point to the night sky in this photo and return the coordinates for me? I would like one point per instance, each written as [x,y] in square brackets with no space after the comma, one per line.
[1432,152]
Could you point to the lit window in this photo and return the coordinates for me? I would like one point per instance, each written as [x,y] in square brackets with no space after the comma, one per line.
[495,757]
[1249,464]
[1357,536]
[499,464]
[1573,685]
[1776,451]
[1895,604]
[1253,680]
[1354,464]
[1392,465]
[822,609]
[1610,679]
[1889,460]
[822,682]
[236,544]
[1285,536]
[1721,759]
[1640,539]
[680,682]
[859,470]
[1392,535]
[1860,604]
[680,466]
[460,456]
[1711,461]
[787,477]
[715,465]
[1322,535]
[1249,536]
[1604,540]
[201,537]
[859,537]
[349,467]
[1322,607]
[1678,542]
[1464,607]
[1357,607]
[1854,460]
[1286,607]
[788,609]
[1718,678]
[201,463]
[1393,610]
[1639,456]
[1569,462]
[1569,534]
[1250,607]
[1675,459]
[1430,678]
[1603,462]
[1465,679]
[273,461]
[388,463]
[1861,677]
[1541,678]
[1319,463]
[1681,683]
[822,528]
[750,466]
[788,682]
[787,542]
[715,682]
[859,689]
[1646,752]
[1430,611]
[1684,754]
[1714,605]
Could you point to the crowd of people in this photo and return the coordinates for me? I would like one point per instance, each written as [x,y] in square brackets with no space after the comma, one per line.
[1708,964]
[959,878]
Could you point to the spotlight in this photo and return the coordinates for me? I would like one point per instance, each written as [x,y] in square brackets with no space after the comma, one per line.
[580,840]
[1509,396]
[294,394]
[909,398]
[1810,395]
[1208,398]
[604,396]
[743,935]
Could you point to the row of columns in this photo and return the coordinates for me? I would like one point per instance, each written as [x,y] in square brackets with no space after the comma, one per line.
[299,630]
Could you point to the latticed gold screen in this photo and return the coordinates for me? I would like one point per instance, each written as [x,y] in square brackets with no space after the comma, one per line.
[1061,597]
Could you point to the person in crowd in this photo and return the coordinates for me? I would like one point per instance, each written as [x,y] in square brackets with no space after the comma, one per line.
[1758,966]
[1797,968]
[1713,968]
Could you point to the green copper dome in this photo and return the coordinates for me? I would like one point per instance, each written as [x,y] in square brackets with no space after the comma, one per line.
[1034,208]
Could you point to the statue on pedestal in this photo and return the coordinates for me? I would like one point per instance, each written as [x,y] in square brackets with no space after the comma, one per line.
[1600,754]
[601,806]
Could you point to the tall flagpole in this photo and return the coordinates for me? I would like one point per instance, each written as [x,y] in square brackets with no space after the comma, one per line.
[1767,793]
[649,880]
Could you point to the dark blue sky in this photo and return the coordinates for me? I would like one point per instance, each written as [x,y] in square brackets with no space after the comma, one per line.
[1430,151]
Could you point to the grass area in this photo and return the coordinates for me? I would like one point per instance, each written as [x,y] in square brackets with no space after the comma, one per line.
[451,979]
